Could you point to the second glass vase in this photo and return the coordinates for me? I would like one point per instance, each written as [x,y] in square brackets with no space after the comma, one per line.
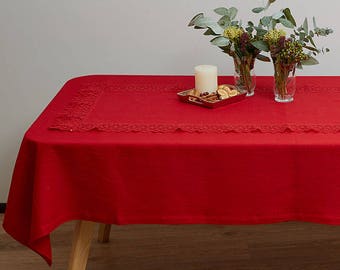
[284,82]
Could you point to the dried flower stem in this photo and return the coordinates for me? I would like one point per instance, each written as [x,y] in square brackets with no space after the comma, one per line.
[282,73]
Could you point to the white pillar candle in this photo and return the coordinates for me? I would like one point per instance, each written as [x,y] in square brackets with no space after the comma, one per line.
[206,78]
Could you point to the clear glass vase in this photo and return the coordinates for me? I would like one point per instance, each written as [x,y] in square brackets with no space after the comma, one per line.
[244,76]
[284,82]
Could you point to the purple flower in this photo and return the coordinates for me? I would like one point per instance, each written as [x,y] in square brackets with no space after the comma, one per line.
[244,41]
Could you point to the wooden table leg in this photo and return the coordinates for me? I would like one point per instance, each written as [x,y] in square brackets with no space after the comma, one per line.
[104,233]
[83,234]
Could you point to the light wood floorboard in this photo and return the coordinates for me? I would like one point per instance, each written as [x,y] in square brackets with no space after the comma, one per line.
[286,246]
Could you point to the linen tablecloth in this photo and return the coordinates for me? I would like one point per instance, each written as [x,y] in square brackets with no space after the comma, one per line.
[125,150]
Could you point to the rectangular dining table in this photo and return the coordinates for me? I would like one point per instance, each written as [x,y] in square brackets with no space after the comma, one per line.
[120,149]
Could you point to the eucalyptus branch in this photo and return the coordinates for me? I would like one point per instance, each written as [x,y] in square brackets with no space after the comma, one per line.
[262,9]
[227,32]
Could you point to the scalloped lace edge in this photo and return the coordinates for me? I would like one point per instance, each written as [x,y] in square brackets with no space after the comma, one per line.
[73,118]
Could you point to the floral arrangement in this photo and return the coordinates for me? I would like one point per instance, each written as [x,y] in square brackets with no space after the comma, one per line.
[234,40]
[250,42]
[289,52]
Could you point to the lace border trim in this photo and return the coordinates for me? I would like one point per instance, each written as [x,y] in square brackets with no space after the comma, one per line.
[73,119]
[168,128]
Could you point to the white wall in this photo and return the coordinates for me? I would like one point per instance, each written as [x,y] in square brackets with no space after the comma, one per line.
[45,43]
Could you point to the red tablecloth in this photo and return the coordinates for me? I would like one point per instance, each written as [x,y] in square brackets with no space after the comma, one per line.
[124,150]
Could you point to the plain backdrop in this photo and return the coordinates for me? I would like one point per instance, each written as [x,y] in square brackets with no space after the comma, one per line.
[45,43]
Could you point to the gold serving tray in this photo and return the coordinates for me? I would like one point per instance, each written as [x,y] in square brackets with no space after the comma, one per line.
[210,101]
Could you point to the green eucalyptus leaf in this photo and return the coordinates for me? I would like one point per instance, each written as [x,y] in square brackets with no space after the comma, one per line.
[311,48]
[209,32]
[258,9]
[222,11]
[260,31]
[314,23]
[250,29]
[203,22]
[311,61]
[273,24]
[311,41]
[286,23]
[236,23]
[233,12]
[216,28]
[265,21]
[278,15]
[305,25]
[220,41]
[194,19]
[302,36]
[289,16]
[261,45]
[224,21]
[263,58]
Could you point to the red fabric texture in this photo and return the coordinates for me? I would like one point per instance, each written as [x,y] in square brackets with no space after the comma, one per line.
[151,105]
[218,172]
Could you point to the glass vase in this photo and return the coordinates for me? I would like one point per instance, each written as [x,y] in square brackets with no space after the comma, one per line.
[244,76]
[284,82]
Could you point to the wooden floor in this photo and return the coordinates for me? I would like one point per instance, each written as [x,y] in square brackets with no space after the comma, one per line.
[287,246]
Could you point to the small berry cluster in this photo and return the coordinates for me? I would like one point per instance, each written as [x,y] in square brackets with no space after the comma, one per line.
[292,52]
